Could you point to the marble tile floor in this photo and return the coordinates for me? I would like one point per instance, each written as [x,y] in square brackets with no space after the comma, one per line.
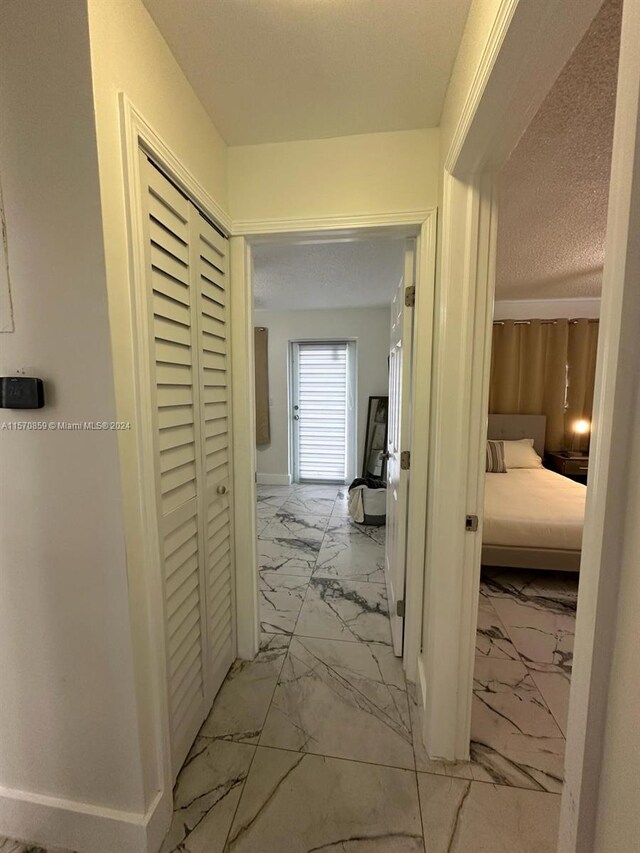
[8,845]
[313,746]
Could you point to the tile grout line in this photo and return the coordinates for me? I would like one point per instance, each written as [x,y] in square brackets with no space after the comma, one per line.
[306,592]
[352,642]
[311,577]
[557,722]
[328,640]
[502,625]
[256,746]
[528,671]
[284,657]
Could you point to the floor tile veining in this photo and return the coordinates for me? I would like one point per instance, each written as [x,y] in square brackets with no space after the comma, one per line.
[314,745]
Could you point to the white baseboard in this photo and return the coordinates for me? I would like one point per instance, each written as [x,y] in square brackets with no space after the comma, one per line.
[51,822]
[273,479]
[421,685]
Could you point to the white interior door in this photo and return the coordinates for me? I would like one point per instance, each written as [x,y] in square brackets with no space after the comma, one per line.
[322,410]
[186,291]
[398,453]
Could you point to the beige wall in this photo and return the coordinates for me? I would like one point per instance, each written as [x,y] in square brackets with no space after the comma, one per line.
[369,326]
[480,21]
[68,722]
[129,55]
[371,173]
[378,173]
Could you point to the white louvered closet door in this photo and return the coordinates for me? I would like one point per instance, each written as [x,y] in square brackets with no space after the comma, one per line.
[190,390]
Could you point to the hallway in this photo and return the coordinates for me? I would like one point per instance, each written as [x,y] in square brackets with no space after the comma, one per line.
[313,746]
[310,746]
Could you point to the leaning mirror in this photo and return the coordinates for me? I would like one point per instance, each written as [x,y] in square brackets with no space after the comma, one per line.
[374,463]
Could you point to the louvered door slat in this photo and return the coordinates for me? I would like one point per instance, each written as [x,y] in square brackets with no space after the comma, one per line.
[170,287]
[163,261]
[181,555]
[171,219]
[168,243]
[177,436]
[169,309]
[167,330]
[180,576]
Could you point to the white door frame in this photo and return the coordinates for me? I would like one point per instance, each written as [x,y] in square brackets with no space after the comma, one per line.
[420,224]
[528,46]
[138,468]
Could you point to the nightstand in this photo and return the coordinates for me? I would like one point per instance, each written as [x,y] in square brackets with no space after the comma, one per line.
[571,465]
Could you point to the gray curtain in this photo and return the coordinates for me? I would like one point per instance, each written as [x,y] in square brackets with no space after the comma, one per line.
[547,368]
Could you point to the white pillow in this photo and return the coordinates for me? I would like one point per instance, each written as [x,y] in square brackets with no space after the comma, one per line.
[520,454]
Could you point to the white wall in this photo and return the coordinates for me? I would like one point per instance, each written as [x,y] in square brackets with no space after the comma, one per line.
[370,173]
[369,326]
[546,309]
[68,722]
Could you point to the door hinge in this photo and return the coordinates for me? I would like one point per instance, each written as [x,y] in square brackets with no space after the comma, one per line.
[405,460]
[410,296]
[471,523]
[400,608]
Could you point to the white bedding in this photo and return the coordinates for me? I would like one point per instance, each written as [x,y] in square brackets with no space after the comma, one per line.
[533,508]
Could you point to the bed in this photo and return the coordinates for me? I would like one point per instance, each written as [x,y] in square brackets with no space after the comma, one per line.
[533,517]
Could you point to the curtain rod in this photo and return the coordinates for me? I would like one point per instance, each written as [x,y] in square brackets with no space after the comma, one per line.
[542,322]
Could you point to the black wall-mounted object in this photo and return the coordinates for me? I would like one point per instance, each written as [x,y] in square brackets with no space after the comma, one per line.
[21,392]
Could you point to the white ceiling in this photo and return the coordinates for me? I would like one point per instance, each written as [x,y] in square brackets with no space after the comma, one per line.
[326,275]
[553,191]
[280,70]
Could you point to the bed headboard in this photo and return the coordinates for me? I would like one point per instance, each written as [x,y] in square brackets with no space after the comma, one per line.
[513,427]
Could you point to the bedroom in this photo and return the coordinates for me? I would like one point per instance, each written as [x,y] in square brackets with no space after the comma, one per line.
[553,195]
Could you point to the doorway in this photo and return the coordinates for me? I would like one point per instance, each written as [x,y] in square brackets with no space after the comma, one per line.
[476,150]
[247,259]
[543,346]
[322,411]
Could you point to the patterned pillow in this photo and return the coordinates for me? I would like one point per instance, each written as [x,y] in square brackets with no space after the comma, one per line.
[495,457]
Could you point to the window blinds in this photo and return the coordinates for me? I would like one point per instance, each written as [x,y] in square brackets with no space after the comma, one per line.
[323,397]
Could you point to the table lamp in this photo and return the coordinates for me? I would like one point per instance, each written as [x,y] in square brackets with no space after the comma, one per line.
[580,427]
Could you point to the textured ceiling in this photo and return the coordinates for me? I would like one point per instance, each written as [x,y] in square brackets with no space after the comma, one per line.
[326,275]
[280,70]
[553,191]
